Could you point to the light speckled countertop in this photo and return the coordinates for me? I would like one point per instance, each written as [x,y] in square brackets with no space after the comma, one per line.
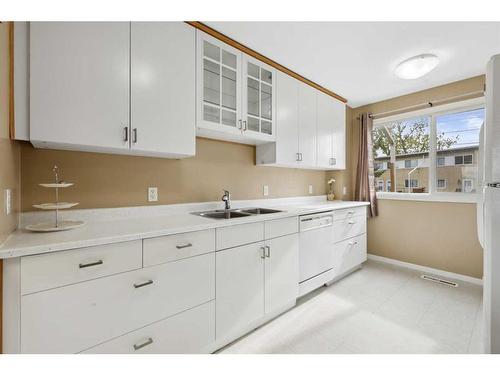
[128,226]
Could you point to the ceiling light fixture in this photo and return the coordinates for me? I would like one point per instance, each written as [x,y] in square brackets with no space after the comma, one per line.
[417,66]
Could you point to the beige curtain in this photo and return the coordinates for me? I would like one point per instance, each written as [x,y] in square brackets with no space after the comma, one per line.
[365,178]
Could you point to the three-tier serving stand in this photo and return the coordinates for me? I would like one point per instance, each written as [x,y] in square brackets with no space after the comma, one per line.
[57,224]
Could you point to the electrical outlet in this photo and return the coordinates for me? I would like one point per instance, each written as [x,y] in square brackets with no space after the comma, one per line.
[7,199]
[152,194]
[344,190]
[310,189]
[265,190]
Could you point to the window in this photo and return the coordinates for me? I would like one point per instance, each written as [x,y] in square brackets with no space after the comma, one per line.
[411,183]
[468,185]
[434,152]
[408,141]
[458,139]
[441,183]
[411,163]
[380,185]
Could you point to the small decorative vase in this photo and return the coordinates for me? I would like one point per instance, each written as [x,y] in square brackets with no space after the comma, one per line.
[330,196]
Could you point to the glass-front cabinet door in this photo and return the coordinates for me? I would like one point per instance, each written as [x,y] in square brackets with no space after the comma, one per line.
[218,85]
[259,99]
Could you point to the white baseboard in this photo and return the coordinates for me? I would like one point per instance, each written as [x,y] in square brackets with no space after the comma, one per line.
[432,271]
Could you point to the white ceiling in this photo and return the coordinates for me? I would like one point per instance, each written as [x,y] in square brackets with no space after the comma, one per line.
[357,59]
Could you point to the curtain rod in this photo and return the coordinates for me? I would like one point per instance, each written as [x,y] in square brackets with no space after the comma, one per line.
[425,105]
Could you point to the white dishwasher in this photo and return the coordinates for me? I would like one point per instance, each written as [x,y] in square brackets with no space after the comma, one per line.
[316,251]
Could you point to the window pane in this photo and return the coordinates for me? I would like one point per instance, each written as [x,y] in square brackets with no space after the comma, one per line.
[253,124]
[253,70]
[229,59]
[228,118]
[458,146]
[228,88]
[267,127]
[211,114]
[266,76]
[211,51]
[408,141]
[266,101]
[253,97]
[211,82]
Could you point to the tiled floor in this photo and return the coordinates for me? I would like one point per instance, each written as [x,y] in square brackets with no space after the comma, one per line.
[378,309]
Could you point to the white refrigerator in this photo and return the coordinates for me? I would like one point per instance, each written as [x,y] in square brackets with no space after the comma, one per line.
[489,208]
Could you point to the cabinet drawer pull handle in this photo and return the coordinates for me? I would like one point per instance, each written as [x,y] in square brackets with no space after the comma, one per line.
[351,222]
[184,246]
[350,213]
[268,248]
[149,282]
[263,255]
[353,243]
[135,135]
[85,265]
[146,343]
[241,126]
[297,158]
[125,134]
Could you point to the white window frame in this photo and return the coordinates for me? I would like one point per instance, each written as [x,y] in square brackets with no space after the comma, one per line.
[433,112]
[471,184]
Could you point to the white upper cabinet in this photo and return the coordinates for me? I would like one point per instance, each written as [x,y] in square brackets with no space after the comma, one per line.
[331,132]
[310,128]
[218,86]
[79,85]
[163,88]
[259,100]
[307,125]
[113,87]
[235,94]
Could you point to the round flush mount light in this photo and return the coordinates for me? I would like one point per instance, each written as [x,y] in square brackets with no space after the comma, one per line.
[417,66]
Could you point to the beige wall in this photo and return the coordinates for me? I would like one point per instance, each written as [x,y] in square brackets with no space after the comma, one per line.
[103,180]
[438,235]
[9,150]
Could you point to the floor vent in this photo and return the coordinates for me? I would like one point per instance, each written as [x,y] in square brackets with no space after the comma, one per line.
[439,281]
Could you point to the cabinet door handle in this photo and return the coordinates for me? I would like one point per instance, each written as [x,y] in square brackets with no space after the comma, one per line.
[149,282]
[268,248]
[353,243]
[351,222]
[125,134]
[184,246]
[301,158]
[334,161]
[241,126]
[263,255]
[297,157]
[135,135]
[85,265]
[244,126]
[149,341]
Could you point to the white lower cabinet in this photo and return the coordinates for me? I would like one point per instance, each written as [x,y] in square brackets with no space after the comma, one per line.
[349,254]
[189,332]
[76,317]
[240,290]
[254,283]
[281,272]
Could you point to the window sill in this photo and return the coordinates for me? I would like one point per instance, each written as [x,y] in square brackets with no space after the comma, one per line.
[428,197]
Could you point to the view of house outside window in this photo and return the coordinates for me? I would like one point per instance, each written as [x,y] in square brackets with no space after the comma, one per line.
[409,139]
[457,147]
[460,152]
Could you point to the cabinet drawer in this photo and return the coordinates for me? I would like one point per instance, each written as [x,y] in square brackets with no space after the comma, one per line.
[347,213]
[46,271]
[76,317]
[281,227]
[190,332]
[178,246]
[344,229]
[236,235]
[349,254]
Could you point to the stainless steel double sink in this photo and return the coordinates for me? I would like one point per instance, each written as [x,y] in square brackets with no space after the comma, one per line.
[234,213]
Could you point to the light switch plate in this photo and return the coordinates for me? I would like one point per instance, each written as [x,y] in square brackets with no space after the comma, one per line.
[265,190]
[152,194]
[7,199]
[310,189]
